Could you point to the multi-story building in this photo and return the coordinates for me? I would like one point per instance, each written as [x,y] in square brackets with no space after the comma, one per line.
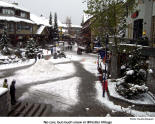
[20,23]
[16,19]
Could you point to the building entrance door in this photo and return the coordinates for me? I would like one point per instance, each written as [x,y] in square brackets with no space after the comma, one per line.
[138,28]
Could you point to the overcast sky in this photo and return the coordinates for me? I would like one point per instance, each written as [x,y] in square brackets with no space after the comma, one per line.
[64,8]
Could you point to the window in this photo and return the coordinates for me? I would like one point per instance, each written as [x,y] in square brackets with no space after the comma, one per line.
[19,27]
[8,12]
[23,14]
[10,27]
[23,26]
[2,25]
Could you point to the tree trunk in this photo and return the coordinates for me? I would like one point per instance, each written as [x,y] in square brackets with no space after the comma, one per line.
[115,61]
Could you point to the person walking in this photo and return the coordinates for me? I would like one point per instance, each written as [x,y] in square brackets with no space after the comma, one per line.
[12,92]
[5,83]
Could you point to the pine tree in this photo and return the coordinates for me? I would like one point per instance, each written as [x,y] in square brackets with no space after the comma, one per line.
[50,19]
[4,42]
[50,28]
[55,30]
[31,48]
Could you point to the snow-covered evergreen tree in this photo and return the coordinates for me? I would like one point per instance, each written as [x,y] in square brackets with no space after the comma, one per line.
[135,76]
[55,31]
[4,42]
[31,48]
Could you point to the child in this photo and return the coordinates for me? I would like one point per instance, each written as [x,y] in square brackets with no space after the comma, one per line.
[5,84]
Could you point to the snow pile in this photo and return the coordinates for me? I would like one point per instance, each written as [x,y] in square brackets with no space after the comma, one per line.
[41,67]
[130,72]
[150,71]
[123,67]
[61,94]
[3,90]
[42,71]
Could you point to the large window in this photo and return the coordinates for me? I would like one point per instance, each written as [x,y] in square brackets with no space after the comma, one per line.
[8,12]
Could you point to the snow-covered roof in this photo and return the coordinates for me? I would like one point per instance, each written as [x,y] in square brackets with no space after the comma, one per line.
[15,19]
[86,17]
[44,21]
[40,30]
[5,4]
[3,90]
[60,24]
[39,20]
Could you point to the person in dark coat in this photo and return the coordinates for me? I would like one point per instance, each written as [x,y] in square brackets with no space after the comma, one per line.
[12,92]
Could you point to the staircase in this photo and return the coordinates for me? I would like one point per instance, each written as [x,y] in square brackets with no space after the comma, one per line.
[22,109]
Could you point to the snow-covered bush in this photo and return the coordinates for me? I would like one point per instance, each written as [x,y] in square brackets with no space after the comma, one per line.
[135,76]
[131,91]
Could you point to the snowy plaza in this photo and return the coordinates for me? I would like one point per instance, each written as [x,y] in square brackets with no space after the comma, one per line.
[68,84]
